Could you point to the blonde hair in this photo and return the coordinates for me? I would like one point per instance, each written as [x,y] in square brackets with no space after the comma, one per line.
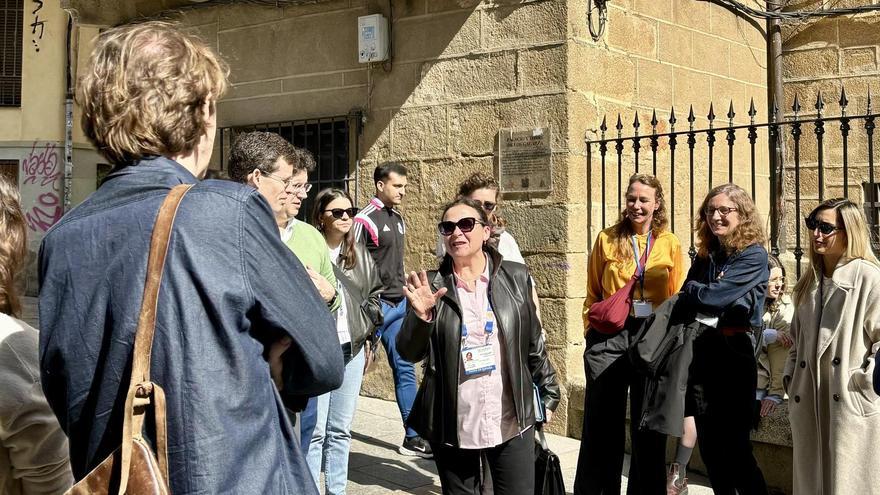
[623,230]
[13,246]
[749,230]
[858,242]
[145,90]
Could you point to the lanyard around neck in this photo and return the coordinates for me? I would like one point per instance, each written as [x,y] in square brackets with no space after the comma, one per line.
[640,268]
[488,328]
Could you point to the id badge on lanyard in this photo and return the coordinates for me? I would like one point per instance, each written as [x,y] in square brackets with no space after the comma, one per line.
[641,307]
[479,358]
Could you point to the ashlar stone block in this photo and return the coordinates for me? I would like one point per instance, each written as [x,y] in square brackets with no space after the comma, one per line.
[542,68]
[490,75]
[420,132]
[810,63]
[525,24]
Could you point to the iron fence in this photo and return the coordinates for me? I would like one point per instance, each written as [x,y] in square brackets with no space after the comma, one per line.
[774,152]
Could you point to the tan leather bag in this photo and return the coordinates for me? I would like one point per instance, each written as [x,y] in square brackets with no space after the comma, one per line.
[133,468]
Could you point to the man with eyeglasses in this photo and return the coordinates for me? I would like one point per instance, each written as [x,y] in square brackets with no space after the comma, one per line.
[381,227]
[280,171]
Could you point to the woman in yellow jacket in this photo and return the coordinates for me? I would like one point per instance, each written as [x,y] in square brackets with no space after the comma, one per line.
[613,261]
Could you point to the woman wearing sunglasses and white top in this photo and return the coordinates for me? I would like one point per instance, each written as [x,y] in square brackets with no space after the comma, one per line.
[358,317]
[834,411]
[476,303]
[484,191]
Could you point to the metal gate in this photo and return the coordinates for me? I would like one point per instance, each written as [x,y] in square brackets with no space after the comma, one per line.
[789,163]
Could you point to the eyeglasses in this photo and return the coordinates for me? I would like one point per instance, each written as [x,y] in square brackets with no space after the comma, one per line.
[825,228]
[339,212]
[465,225]
[288,182]
[486,205]
[723,210]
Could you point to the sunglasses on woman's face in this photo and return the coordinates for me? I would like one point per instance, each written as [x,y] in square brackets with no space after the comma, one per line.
[486,205]
[465,225]
[825,228]
[339,212]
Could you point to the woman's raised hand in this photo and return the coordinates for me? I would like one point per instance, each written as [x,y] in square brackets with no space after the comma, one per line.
[420,296]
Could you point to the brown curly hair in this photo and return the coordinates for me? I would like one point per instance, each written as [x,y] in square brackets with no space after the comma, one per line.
[479,180]
[623,228]
[13,246]
[749,230]
[145,89]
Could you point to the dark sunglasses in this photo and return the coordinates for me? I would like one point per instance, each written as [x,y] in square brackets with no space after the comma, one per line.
[486,205]
[465,225]
[824,227]
[338,212]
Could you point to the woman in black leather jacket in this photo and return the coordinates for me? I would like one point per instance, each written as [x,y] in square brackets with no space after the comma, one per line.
[356,321]
[474,322]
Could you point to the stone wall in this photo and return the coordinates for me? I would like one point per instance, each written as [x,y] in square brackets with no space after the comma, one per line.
[828,55]
[656,54]
[463,69]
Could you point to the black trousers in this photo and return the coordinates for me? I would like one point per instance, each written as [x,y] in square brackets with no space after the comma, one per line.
[512,465]
[600,461]
[722,396]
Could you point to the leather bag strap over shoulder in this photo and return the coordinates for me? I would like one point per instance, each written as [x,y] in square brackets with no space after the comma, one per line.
[142,393]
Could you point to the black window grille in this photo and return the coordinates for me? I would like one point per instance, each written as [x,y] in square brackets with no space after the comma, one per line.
[330,140]
[11,19]
[9,171]
[872,212]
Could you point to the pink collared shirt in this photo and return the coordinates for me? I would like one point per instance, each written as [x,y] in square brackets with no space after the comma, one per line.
[486,414]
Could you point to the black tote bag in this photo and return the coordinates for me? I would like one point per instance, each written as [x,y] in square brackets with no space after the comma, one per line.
[548,473]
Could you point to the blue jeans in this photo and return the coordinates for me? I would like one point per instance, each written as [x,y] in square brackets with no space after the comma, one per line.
[404,374]
[332,434]
[307,420]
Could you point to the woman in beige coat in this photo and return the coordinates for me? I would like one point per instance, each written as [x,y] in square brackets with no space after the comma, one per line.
[834,411]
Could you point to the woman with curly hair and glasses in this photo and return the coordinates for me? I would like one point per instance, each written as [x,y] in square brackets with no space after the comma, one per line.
[33,449]
[726,287]
[834,410]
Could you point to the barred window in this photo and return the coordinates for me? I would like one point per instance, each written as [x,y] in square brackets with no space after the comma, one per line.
[11,19]
[9,170]
[331,140]
[872,212]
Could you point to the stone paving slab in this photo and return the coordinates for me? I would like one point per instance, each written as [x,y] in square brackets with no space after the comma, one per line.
[376,467]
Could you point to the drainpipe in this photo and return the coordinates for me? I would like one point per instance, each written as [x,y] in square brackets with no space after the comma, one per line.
[775,95]
[68,117]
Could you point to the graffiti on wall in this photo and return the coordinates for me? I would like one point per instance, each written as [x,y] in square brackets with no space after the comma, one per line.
[37,24]
[41,170]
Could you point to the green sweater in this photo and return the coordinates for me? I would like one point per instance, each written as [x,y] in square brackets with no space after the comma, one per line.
[310,247]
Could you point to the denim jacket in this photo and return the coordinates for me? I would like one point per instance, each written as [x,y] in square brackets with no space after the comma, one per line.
[230,287]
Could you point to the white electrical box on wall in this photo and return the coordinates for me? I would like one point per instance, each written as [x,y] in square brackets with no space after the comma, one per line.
[372,38]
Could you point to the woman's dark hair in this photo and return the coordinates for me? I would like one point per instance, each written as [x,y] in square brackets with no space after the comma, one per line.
[324,198]
[479,180]
[481,213]
[773,262]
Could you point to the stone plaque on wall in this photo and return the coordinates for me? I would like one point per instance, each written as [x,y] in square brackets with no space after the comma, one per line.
[524,160]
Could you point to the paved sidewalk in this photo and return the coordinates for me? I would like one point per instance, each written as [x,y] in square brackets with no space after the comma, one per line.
[376,467]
